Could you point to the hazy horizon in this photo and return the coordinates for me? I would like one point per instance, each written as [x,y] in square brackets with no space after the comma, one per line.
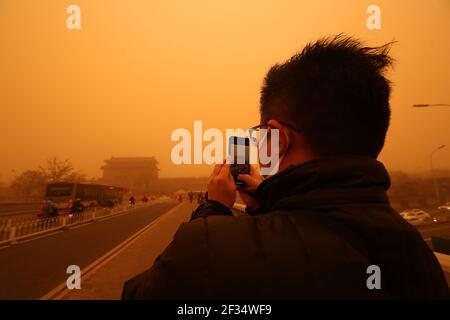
[138,70]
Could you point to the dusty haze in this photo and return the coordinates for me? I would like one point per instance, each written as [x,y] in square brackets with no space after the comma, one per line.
[137,70]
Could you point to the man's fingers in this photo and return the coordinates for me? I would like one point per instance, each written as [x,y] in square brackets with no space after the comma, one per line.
[246,179]
[216,169]
[254,172]
[225,171]
[251,182]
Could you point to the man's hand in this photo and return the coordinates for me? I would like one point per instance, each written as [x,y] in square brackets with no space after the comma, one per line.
[221,187]
[252,182]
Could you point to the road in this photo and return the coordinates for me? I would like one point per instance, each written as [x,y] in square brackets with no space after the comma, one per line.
[8,208]
[19,210]
[434,229]
[30,269]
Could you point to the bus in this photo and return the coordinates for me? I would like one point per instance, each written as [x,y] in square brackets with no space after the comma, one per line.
[63,194]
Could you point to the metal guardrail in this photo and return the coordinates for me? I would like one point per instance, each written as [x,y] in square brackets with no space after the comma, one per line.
[12,230]
[27,215]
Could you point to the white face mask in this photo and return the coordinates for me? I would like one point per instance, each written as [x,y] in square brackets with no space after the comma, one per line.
[275,159]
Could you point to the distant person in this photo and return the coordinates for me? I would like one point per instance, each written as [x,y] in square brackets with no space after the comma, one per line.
[320,228]
[77,206]
[191,196]
[50,209]
[144,199]
[132,201]
[200,197]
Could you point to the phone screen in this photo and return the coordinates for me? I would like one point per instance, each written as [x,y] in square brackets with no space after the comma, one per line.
[239,150]
[239,153]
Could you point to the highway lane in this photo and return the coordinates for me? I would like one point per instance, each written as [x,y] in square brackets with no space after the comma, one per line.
[19,210]
[7,208]
[31,269]
[435,229]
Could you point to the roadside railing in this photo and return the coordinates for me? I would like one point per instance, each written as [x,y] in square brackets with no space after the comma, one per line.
[16,219]
[13,230]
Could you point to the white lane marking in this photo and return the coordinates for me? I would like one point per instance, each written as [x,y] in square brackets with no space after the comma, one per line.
[61,290]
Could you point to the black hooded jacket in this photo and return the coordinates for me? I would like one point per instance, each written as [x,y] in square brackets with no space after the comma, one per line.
[320,227]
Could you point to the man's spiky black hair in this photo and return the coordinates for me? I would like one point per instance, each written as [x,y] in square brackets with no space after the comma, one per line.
[335,91]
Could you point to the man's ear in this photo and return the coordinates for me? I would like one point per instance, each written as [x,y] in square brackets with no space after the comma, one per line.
[283,135]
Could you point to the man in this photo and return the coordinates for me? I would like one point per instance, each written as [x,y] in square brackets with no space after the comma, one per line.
[77,206]
[132,201]
[50,209]
[321,225]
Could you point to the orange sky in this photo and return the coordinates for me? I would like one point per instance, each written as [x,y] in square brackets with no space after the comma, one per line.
[137,70]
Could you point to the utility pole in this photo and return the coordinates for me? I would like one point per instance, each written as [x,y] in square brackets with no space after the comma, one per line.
[435,182]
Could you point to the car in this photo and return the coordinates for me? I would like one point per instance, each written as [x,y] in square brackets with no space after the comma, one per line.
[445,207]
[443,212]
[441,217]
[415,216]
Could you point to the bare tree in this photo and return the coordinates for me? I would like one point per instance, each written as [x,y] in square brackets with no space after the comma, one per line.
[29,184]
[75,177]
[57,170]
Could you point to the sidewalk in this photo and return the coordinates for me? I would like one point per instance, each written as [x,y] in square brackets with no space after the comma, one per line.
[106,280]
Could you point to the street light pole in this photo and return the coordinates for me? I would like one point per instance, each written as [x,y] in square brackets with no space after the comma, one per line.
[436,186]
[425,105]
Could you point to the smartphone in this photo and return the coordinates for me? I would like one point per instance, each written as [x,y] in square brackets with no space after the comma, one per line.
[239,154]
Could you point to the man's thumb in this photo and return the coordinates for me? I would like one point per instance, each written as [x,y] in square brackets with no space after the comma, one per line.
[247,179]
